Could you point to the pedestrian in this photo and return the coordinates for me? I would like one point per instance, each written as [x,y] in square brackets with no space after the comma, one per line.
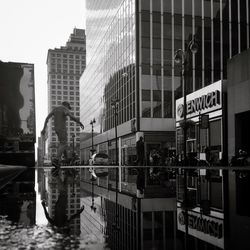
[60,114]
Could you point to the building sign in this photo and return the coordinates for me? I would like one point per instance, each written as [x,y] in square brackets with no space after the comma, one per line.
[206,228]
[201,101]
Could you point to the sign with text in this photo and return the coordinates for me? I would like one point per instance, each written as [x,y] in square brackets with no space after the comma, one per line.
[207,228]
[201,101]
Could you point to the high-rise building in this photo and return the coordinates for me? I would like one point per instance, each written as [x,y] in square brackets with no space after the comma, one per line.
[131,47]
[65,66]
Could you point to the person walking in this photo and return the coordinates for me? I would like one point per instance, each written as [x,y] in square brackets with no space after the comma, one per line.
[60,114]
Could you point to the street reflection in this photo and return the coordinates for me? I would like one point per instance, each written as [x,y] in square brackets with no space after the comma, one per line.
[18,197]
[63,198]
[82,211]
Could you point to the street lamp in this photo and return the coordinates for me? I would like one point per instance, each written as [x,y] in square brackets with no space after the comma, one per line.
[183,57]
[92,135]
[114,105]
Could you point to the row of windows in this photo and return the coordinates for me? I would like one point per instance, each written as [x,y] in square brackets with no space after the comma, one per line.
[65,71]
[65,77]
[58,55]
[70,61]
[66,66]
[55,83]
[53,97]
[53,92]
[65,87]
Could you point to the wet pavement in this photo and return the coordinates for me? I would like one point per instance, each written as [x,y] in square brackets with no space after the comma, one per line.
[70,208]
[40,209]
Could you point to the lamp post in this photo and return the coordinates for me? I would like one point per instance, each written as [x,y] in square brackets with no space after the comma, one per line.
[92,135]
[183,57]
[114,105]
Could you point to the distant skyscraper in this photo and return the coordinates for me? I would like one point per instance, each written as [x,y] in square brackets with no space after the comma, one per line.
[65,66]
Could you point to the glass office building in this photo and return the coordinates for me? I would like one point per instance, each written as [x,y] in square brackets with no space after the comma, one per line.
[131,46]
[130,57]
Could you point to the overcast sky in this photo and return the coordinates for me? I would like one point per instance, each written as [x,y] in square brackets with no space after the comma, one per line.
[29,28]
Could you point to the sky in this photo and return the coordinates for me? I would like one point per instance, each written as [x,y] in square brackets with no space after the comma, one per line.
[29,28]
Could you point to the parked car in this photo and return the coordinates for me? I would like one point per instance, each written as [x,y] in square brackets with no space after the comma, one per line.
[99,159]
[47,162]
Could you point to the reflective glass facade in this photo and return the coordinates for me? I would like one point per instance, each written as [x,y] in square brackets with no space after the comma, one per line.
[221,29]
[110,31]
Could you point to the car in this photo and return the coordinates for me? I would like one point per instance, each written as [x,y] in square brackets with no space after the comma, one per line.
[99,159]
[47,162]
